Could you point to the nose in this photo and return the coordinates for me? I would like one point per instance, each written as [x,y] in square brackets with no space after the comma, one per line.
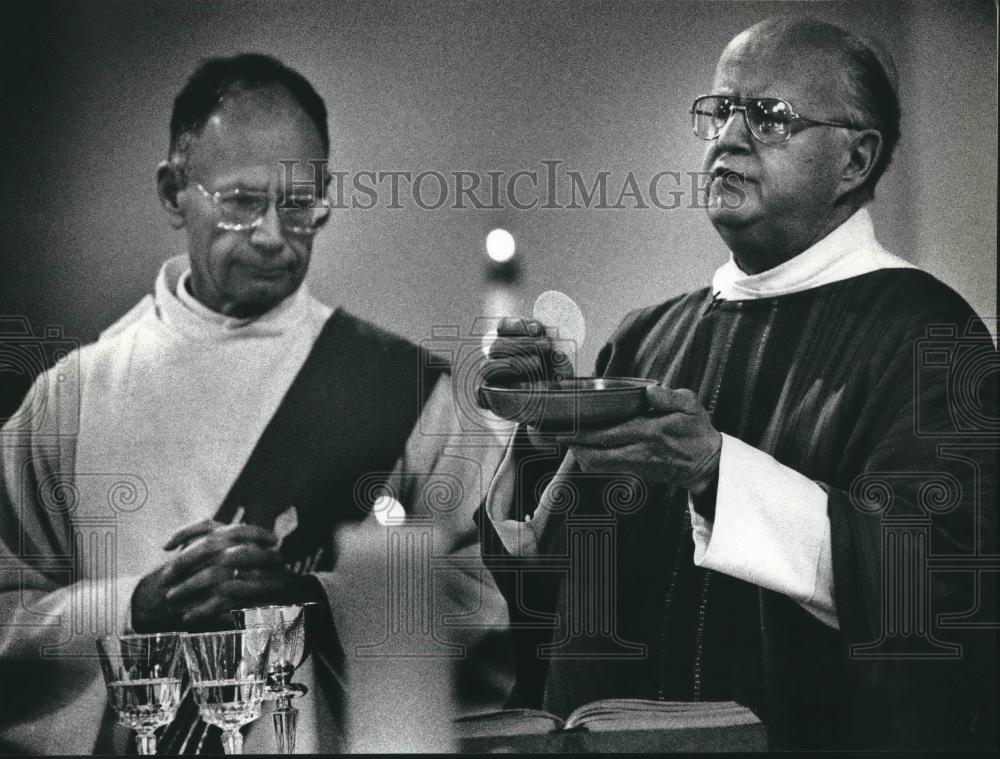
[735,136]
[267,234]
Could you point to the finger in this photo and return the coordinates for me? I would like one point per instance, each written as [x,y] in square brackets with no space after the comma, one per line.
[207,581]
[562,365]
[515,356]
[592,459]
[514,326]
[242,563]
[523,367]
[592,438]
[516,349]
[247,533]
[666,399]
[244,585]
[233,533]
[189,533]
[210,613]
[610,436]
[510,340]
[528,358]
[504,376]
[631,458]
[231,595]
[216,542]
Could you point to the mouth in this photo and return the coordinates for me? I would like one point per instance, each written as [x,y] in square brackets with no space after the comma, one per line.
[727,174]
[274,272]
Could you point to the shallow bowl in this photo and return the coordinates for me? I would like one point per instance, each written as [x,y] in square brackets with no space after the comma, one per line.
[568,404]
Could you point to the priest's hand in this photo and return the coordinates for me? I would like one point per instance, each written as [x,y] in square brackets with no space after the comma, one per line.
[674,442]
[207,603]
[219,568]
[523,352]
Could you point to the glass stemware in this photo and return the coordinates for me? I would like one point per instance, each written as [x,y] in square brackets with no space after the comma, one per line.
[288,651]
[228,672]
[143,677]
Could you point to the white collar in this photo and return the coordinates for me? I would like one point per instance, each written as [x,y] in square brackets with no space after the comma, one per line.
[182,312]
[848,251]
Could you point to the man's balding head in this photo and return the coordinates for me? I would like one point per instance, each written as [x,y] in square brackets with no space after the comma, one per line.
[825,163]
[864,84]
[219,80]
[237,126]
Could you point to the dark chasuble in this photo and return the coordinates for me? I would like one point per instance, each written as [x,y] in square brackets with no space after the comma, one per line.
[882,389]
[347,414]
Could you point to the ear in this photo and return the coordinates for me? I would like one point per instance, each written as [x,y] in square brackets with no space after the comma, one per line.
[862,154]
[168,184]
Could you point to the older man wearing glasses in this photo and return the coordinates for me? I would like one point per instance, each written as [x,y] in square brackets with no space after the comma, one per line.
[249,420]
[803,463]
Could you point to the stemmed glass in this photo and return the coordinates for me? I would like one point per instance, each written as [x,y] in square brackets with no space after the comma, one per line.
[288,651]
[228,674]
[143,677]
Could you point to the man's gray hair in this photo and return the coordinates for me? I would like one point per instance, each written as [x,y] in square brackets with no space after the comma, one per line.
[874,84]
[872,79]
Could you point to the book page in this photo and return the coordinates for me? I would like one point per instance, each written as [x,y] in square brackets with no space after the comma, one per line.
[640,714]
[507,722]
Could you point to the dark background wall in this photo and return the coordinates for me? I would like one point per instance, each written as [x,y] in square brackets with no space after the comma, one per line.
[87,87]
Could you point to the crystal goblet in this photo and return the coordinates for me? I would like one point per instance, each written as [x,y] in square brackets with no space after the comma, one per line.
[288,651]
[228,672]
[143,677]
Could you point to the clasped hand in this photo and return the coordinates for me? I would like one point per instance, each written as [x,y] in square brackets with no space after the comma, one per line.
[218,568]
[673,442]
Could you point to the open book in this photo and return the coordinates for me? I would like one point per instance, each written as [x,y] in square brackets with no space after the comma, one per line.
[652,725]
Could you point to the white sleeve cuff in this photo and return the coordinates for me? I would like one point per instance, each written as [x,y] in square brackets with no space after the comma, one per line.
[771,529]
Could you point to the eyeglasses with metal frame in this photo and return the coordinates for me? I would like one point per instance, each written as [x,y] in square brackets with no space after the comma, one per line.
[241,209]
[770,120]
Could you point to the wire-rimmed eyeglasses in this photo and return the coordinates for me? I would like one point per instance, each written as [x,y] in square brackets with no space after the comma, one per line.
[769,120]
[241,209]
